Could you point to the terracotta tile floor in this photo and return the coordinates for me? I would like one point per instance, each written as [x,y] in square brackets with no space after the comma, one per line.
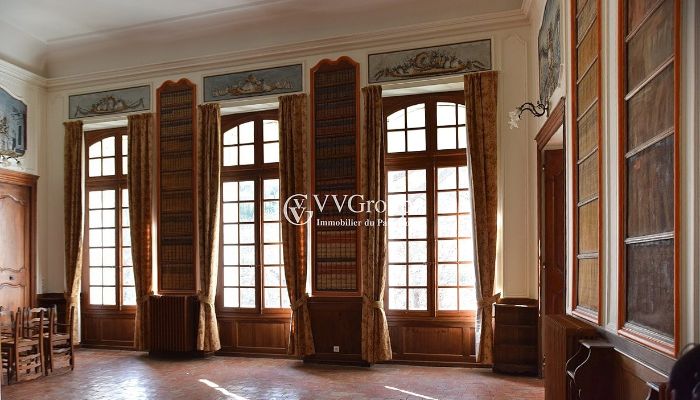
[105,374]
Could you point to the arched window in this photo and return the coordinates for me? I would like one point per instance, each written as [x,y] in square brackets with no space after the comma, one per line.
[252,271]
[430,248]
[108,276]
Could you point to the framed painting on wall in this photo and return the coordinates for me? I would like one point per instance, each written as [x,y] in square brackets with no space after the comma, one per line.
[260,82]
[108,102]
[13,124]
[549,49]
[449,59]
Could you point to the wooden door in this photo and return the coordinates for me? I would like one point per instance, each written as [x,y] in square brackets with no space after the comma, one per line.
[15,245]
[554,233]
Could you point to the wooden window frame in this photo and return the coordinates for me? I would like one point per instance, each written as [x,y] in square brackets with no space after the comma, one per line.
[257,172]
[116,182]
[430,159]
[587,314]
[624,329]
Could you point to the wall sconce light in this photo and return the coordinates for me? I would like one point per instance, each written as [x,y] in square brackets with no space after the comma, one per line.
[537,110]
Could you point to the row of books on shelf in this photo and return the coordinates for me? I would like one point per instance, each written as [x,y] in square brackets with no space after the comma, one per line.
[176,253]
[177,180]
[336,280]
[174,127]
[335,251]
[176,227]
[176,276]
[335,92]
[336,77]
[176,145]
[176,98]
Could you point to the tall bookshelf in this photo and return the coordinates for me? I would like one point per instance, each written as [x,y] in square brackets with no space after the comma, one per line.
[335,157]
[177,207]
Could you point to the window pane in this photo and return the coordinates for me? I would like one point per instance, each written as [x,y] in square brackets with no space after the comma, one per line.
[446,114]
[231,137]
[95,167]
[272,276]
[246,190]
[95,294]
[397,275]
[246,212]
[247,297]
[467,299]
[396,120]
[415,116]
[447,299]
[397,299]
[397,228]
[396,205]
[416,180]
[271,189]
[447,178]
[396,141]
[230,156]
[271,152]
[466,275]
[246,154]
[271,210]
[447,275]
[271,130]
[128,276]
[129,294]
[447,250]
[272,298]
[108,167]
[231,297]
[95,150]
[447,202]
[396,181]
[446,138]
[230,191]
[417,251]
[108,147]
[416,204]
[271,232]
[447,226]
[415,140]
[417,275]
[247,233]
[417,228]
[246,132]
[417,299]
[109,296]
[397,252]
[462,137]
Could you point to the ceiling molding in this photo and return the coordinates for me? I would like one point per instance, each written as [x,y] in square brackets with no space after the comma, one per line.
[402,35]
[19,73]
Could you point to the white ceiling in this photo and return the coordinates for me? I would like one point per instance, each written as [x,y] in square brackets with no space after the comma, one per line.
[57,35]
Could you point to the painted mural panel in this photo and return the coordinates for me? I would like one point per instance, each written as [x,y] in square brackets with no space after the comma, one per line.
[13,124]
[549,49]
[259,82]
[450,59]
[108,102]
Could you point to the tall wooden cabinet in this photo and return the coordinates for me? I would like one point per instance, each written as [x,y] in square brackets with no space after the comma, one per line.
[17,239]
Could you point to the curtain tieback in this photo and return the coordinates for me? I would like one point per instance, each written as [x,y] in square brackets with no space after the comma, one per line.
[373,303]
[300,302]
[69,298]
[204,299]
[143,299]
[488,301]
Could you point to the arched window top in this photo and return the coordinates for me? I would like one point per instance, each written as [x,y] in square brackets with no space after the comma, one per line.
[251,142]
[425,126]
[105,154]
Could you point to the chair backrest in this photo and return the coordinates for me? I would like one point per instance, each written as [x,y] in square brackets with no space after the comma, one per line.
[684,382]
[34,322]
[7,323]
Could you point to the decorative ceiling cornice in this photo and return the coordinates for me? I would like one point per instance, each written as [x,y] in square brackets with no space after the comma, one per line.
[21,74]
[406,34]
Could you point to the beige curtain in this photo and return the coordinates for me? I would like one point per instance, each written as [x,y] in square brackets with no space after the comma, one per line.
[293,164]
[375,331]
[209,187]
[139,183]
[73,214]
[480,91]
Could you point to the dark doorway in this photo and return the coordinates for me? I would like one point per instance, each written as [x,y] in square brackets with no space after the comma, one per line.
[553,258]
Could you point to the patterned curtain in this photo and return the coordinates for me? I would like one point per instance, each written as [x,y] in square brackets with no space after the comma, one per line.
[480,91]
[293,148]
[375,331]
[73,214]
[209,188]
[139,183]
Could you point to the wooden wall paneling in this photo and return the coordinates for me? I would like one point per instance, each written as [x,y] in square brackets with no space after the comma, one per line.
[336,321]
[562,333]
[335,149]
[176,182]
[258,335]
[17,239]
[649,109]
[111,329]
[586,155]
[433,341]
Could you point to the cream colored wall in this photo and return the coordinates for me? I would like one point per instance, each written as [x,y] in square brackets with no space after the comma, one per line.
[30,89]
[510,47]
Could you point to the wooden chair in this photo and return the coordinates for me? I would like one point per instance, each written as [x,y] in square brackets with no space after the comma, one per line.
[58,342]
[7,332]
[28,344]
